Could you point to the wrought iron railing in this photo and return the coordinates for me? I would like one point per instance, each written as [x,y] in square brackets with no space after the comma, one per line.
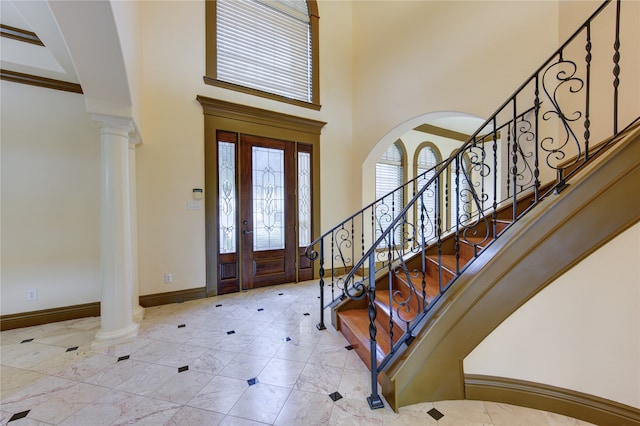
[528,149]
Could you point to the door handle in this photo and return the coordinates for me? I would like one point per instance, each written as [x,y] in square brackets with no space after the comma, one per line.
[246,232]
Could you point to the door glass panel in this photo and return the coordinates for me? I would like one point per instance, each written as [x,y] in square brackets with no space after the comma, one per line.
[304,199]
[268,198]
[227,197]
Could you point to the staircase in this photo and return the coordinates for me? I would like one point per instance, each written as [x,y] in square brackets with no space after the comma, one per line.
[399,306]
[402,285]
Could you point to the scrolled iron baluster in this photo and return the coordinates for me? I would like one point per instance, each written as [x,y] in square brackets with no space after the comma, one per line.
[514,165]
[495,181]
[344,242]
[555,148]
[524,134]
[508,159]
[423,245]
[477,167]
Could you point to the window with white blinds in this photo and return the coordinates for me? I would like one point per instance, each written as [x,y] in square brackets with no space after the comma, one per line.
[389,177]
[265,45]
[426,160]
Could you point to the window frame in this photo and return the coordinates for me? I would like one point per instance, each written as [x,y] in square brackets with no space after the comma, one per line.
[403,164]
[438,196]
[211,72]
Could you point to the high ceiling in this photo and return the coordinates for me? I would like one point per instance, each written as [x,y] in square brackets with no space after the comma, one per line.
[50,60]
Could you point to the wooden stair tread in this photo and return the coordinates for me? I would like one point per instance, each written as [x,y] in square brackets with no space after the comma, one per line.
[432,289]
[448,261]
[355,327]
[479,241]
[507,221]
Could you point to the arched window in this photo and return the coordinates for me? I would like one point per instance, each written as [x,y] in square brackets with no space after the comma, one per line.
[390,176]
[426,158]
[264,47]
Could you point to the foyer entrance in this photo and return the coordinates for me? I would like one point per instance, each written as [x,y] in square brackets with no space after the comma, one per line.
[264,211]
[247,255]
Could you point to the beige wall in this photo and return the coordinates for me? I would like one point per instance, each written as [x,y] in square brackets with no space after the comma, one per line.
[50,200]
[414,58]
[582,332]
[171,159]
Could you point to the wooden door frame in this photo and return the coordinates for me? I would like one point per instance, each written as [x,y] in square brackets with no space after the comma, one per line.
[227,116]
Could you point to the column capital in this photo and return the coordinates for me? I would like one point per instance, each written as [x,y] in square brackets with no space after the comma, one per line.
[121,126]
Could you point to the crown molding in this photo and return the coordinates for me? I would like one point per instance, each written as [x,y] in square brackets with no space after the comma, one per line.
[20,35]
[34,80]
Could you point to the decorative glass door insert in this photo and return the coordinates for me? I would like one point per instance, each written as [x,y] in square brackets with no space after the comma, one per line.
[269,222]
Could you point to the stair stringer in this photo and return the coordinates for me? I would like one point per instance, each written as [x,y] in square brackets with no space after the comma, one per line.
[557,234]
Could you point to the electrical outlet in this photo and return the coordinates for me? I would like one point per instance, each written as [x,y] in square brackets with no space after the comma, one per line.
[168,278]
[32,294]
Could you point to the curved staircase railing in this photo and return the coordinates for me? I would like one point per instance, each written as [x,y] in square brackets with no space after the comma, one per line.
[397,260]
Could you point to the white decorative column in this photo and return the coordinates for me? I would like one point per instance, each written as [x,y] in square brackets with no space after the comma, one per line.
[117,325]
[137,311]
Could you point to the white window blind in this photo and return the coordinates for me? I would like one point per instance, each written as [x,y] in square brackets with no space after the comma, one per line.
[389,176]
[265,45]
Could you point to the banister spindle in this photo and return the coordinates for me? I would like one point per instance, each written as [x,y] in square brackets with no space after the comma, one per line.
[616,69]
[374,399]
[321,325]
[587,123]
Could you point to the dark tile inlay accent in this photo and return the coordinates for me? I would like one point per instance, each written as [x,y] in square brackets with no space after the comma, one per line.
[260,309]
[287,339]
[349,348]
[75,348]
[217,306]
[122,358]
[181,369]
[231,332]
[306,314]
[280,294]
[253,381]
[18,416]
[27,341]
[335,396]
[182,325]
[437,415]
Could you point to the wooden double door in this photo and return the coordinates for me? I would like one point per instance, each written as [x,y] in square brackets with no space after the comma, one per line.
[263,211]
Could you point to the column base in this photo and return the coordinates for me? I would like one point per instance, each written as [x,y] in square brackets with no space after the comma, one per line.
[109,338]
[138,313]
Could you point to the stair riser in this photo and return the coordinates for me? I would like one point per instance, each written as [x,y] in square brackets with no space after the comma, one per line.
[410,291]
[382,316]
[467,251]
[433,270]
[358,345]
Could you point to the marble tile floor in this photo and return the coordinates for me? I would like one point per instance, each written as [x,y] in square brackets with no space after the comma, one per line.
[251,358]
